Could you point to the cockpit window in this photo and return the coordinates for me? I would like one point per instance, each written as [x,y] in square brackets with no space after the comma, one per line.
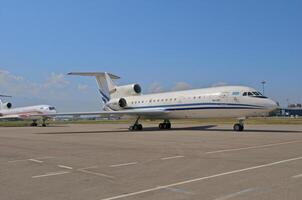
[254,94]
[52,108]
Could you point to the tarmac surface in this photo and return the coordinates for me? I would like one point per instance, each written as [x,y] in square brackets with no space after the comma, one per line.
[106,162]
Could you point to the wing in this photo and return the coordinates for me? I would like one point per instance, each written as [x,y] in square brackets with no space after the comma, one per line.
[10,117]
[21,117]
[142,113]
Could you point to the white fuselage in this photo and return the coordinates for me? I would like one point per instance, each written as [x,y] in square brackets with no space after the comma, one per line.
[216,102]
[27,112]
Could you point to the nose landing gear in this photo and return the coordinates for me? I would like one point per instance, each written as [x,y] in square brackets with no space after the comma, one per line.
[239,127]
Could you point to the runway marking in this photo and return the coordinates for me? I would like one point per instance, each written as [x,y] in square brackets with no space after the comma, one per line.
[242,192]
[202,179]
[297,176]
[123,165]
[36,161]
[65,167]
[51,174]
[176,190]
[30,159]
[86,170]
[170,158]
[253,147]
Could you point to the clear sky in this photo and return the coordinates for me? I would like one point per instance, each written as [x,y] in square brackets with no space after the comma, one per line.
[161,44]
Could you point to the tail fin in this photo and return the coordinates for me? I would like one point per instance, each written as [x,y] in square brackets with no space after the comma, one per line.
[104,81]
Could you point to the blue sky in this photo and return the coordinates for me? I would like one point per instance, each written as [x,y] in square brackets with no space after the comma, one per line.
[158,43]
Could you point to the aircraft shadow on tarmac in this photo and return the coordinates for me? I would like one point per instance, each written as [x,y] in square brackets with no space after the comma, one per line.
[208,128]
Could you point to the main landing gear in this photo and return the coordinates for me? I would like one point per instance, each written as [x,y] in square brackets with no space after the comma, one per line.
[239,127]
[136,126]
[34,123]
[44,123]
[165,125]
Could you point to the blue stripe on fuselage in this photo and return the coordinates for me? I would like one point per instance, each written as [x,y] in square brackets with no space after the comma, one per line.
[198,104]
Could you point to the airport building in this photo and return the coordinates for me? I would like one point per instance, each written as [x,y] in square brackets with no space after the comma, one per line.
[292,110]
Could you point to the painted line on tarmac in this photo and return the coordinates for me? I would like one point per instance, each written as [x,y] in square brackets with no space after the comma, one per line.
[123,165]
[51,174]
[202,179]
[65,167]
[170,158]
[297,176]
[253,147]
[236,194]
[36,161]
[30,159]
[87,171]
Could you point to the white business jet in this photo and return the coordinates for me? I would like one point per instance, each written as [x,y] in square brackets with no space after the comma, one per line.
[215,102]
[33,113]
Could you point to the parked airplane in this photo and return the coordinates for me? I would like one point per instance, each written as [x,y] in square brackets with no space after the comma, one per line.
[33,113]
[216,102]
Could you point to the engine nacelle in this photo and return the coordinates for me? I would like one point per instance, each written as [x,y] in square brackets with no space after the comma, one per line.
[117,104]
[126,90]
[7,105]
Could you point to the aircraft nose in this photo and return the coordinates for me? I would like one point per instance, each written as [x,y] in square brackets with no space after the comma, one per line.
[273,105]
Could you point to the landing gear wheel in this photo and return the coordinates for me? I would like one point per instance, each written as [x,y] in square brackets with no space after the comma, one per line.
[34,124]
[136,127]
[238,127]
[166,125]
[161,126]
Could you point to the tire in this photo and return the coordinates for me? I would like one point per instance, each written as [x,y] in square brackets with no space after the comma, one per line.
[161,126]
[238,127]
[139,127]
[169,126]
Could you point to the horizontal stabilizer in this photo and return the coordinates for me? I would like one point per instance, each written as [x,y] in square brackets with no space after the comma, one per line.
[1,95]
[96,74]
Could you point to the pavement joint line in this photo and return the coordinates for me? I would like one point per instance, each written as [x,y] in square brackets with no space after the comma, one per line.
[297,176]
[253,147]
[173,157]
[236,194]
[51,174]
[123,165]
[65,167]
[201,179]
[36,161]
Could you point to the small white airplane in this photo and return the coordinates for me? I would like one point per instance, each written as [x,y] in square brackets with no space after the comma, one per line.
[34,113]
[215,102]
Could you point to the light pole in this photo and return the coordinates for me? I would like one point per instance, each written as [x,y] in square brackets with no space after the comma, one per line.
[263,87]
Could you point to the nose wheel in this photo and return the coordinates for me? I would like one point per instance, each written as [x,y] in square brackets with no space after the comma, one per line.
[239,127]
